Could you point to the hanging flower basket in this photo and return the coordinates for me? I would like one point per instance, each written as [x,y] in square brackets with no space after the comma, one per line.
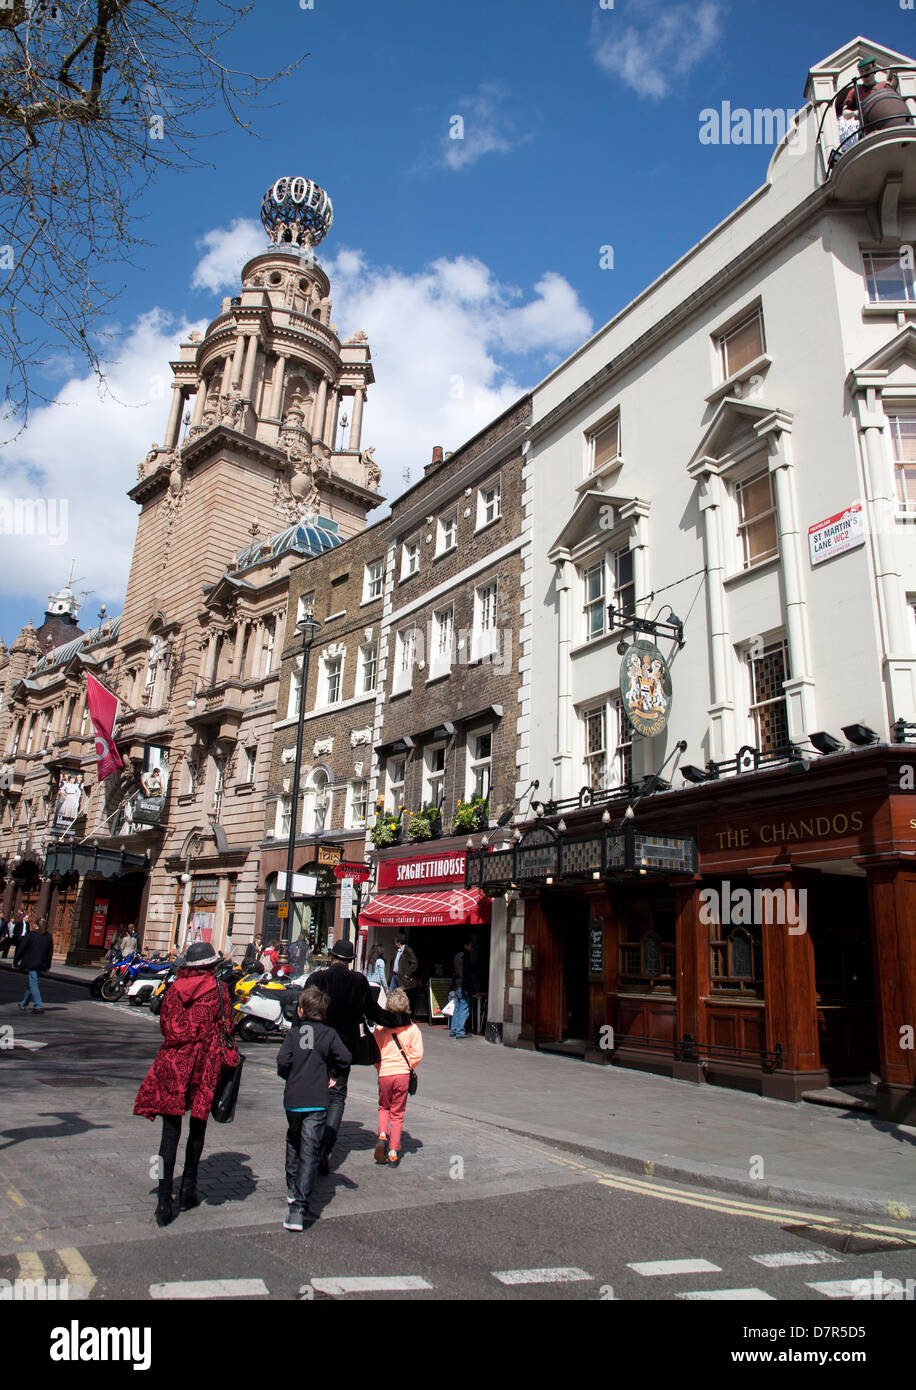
[471,815]
[387,830]
[425,824]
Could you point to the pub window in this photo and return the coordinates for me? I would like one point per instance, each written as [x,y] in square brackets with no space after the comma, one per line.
[596,748]
[903,439]
[647,952]
[741,345]
[768,673]
[735,960]
[623,756]
[757,518]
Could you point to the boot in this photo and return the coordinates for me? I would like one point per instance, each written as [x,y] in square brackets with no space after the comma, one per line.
[188,1197]
[165,1211]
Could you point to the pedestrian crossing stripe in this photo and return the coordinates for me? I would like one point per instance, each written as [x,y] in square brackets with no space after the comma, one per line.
[813,1221]
[567,1274]
[78,1283]
[369,1283]
[728,1295]
[210,1288]
[791,1258]
[650,1268]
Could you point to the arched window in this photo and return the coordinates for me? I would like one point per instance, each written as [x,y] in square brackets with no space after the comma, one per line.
[316,802]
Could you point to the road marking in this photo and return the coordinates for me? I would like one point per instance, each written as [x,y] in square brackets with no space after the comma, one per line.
[14,1197]
[210,1288]
[563,1275]
[28,1044]
[367,1283]
[797,1257]
[841,1288]
[31,1265]
[76,1266]
[814,1221]
[651,1267]
[736,1295]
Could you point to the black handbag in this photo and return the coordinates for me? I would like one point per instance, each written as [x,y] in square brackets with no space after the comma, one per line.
[227,1090]
[412,1083]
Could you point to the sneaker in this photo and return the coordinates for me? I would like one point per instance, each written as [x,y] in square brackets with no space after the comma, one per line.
[38,1011]
[290,1201]
[381,1148]
[393,1160]
[294,1219]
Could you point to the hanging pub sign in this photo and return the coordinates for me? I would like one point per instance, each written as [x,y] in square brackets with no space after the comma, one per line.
[330,854]
[645,688]
[358,872]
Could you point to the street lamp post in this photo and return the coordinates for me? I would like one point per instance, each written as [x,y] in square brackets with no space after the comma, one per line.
[307,628]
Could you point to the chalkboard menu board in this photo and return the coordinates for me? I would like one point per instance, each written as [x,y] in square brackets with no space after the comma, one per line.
[596,948]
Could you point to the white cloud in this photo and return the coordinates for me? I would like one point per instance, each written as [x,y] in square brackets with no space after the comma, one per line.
[478,126]
[656,47]
[226,251]
[84,452]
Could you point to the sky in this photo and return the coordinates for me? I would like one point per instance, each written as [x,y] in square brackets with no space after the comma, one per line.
[475,265]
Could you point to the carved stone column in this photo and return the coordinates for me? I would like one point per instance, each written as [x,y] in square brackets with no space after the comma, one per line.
[171,430]
[356,425]
[276,395]
[250,360]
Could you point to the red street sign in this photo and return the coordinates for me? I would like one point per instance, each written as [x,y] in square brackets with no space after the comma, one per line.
[358,872]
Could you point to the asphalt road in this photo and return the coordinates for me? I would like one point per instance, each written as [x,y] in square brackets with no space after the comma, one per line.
[474,1211]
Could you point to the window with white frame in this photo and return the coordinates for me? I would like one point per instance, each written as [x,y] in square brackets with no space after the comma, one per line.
[440,657]
[623,753]
[903,443]
[479,763]
[741,345]
[367,675]
[757,528]
[768,671]
[305,606]
[333,666]
[249,759]
[447,532]
[316,807]
[595,729]
[624,582]
[889,277]
[405,656]
[374,580]
[295,689]
[281,825]
[359,805]
[593,580]
[433,774]
[395,770]
[269,636]
[489,503]
[613,574]
[604,443]
[485,636]
[410,557]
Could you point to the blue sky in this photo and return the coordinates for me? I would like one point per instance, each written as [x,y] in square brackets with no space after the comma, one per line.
[476,260]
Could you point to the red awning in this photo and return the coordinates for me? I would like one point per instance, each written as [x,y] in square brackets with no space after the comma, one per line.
[453,908]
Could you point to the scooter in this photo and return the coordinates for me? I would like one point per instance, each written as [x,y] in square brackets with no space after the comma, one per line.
[226,970]
[141,989]
[124,972]
[267,1011]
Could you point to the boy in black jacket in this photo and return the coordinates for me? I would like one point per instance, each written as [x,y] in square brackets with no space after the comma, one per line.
[311,1055]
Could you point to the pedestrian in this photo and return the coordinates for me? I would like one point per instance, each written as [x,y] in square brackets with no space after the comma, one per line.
[6,940]
[310,1057]
[462,985]
[33,954]
[270,957]
[130,942]
[376,974]
[252,956]
[300,957]
[16,930]
[195,1019]
[401,1051]
[349,1011]
[405,970]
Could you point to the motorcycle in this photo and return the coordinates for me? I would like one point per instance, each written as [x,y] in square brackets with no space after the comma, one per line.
[124,971]
[141,988]
[267,1008]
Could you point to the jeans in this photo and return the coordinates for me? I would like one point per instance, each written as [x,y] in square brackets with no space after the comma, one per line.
[31,991]
[304,1138]
[458,1025]
[337,1096]
[392,1103]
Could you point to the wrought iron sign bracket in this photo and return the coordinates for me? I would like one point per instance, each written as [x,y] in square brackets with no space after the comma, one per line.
[654,627]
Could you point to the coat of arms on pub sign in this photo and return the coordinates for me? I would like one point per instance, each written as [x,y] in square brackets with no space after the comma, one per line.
[645,688]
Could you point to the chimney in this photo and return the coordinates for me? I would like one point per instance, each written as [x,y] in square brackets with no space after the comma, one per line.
[437,453]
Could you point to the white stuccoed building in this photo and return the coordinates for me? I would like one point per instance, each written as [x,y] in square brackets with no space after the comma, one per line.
[738,443]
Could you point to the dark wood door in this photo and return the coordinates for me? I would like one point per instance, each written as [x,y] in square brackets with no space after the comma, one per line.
[838,919]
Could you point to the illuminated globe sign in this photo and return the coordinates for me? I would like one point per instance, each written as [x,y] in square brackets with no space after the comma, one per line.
[296,211]
[645,688]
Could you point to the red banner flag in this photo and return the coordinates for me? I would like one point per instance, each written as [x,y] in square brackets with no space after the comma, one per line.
[103,709]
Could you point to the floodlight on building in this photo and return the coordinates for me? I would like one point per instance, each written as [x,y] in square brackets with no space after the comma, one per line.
[691,773]
[860,734]
[825,743]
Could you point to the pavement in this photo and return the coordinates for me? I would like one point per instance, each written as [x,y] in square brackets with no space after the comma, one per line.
[832,1159]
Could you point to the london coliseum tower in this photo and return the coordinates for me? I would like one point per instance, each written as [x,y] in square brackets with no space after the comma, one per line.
[261,466]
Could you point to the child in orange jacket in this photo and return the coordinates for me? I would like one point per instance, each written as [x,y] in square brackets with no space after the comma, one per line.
[394,1078]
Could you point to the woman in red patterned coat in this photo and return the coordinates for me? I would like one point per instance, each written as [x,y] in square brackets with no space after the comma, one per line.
[187,1070]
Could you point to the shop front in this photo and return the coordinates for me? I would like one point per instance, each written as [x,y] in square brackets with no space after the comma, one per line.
[424,896]
[318,894]
[93,893]
[764,941]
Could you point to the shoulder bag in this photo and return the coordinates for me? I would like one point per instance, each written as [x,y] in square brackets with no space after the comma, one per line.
[412,1083]
[227,1090]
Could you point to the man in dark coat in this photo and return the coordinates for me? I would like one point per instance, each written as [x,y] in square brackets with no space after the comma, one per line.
[33,955]
[351,1005]
[405,971]
[15,932]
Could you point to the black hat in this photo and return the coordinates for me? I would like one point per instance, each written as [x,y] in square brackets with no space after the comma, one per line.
[343,950]
[201,954]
